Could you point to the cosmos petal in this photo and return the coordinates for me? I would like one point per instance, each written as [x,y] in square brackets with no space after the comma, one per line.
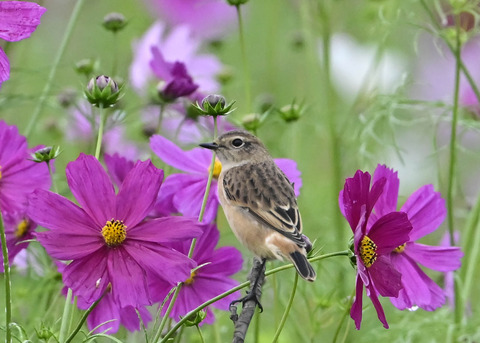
[18,19]
[442,259]
[387,202]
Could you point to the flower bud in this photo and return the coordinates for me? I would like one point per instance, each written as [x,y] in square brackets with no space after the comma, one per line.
[67,97]
[44,334]
[196,318]
[46,154]
[215,105]
[291,112]
[251,122]
[237,2]
[86,66]
[103,91]
[114,22]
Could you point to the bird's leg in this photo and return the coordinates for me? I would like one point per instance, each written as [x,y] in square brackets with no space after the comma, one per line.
[255,291]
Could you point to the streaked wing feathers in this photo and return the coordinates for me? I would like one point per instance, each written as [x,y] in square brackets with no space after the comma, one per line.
[265,192]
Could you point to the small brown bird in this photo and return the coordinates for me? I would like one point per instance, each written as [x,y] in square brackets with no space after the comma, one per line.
[259,201]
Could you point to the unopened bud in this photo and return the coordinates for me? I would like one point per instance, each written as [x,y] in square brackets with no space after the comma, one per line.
[46,154]
[103,91]
[215,105]
[114,22]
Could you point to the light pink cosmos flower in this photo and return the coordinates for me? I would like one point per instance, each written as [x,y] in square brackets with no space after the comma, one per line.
[178,45]
[18,20]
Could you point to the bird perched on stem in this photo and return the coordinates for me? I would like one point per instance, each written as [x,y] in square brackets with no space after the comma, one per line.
[259,201]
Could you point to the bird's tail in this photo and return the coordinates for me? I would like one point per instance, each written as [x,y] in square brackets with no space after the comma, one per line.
[304,268]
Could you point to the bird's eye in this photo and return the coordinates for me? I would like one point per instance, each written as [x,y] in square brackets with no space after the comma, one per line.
[237,142]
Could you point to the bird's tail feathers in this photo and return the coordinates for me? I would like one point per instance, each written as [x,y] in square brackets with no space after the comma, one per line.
[304,268]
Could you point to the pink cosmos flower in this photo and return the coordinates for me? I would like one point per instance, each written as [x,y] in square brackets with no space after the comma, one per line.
[107,238]
[426,211]
[206,282]
[208,19]
[177,46]
[374,240]
[185,191]
[18,20]
[108,310]
[19,176]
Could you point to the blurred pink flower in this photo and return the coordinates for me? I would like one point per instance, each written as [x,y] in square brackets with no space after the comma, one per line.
[18,20]
[178,45]
[208,19]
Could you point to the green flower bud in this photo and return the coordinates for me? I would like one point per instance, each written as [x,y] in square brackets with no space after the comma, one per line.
[214,105]
[103,91]
[46,154]
[44,333]
[351,253]
[67,97]
[291,112]
[237,2]
[196,318]
[114,22]
[226,75]
[251,122]
[86,66]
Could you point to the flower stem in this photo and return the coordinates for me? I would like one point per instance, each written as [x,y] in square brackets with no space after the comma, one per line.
[8,284]
[287,310]
[100,132]
[246,67]
[241,286]
[85,316]
[453,152]
[202,340]
[67,313]
[48,84]
[160,118]
[194,241]
[50,171]
[472,251]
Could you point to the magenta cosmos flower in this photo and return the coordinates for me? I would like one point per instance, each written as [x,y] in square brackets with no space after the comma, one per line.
[177,46]
[373,242]
[18,20]
[211,279]
[19,176]
[107,316]
[185,191]
[209,19]
[426,211]
[106,237]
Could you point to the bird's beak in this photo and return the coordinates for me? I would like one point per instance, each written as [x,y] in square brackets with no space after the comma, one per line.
[211,146]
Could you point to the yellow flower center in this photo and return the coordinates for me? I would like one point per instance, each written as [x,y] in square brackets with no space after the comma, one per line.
[114,232]
[368,251]
[0,172]
[22,228]
[400,248]
[191,279]
[217,168]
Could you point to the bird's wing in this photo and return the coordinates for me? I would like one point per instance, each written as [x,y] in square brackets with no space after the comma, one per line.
[265,192]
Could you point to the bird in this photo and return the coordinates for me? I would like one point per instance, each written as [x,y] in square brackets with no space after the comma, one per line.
[259,201]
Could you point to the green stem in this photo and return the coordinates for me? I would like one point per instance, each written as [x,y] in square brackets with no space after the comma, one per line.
[453,141]
[53,70]
[453,156]
[202,340]
[100,132]
[472,251]
[160,118]
[246,67]
[50,171]
[194,241]
[8,284]
[85,316]
[115,54]
[241,286]
[67,313]
[287,310]
[332,120]
[347,311]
